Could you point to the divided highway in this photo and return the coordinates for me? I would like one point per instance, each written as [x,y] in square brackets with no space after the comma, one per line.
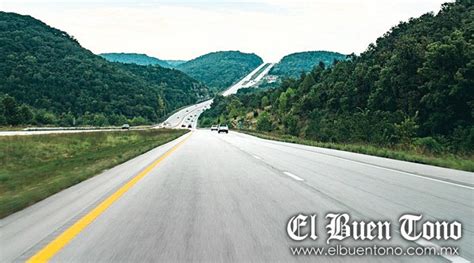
[188,116]
[228,197]
[211,197]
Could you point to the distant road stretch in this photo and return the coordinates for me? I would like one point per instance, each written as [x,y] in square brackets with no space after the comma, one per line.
[188,116]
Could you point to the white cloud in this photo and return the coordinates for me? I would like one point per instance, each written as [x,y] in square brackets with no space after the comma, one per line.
[186,29]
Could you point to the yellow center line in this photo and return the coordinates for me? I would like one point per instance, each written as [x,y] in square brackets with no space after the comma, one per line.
[47,252]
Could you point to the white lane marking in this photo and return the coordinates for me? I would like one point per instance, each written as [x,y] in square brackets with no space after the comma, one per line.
[293,176]
[257,157]
[407,173]
[372,165]
[452,258]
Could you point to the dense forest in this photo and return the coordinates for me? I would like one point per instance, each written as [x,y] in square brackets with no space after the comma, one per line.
[413,87]
[46,77]
[219,70]
[134,58]
[293,65]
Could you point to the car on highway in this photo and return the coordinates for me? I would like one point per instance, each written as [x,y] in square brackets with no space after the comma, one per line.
[223,128]
[214,128]
[126,127]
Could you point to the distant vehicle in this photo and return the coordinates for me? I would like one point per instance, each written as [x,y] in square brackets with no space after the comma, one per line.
[214,128]
[223,128]
[125,127]
[183,126]
[190,126]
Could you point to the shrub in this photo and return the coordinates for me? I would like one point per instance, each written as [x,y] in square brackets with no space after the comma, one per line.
[264,123]
[428,145]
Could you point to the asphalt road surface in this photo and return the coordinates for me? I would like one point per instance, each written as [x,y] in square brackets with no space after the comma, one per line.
[186,117]
[228,198]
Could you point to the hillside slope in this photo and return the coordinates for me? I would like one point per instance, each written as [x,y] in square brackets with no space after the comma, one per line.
[219,70]
[293,64]
[174,63]
[413,89]
[46,77]
[134,58]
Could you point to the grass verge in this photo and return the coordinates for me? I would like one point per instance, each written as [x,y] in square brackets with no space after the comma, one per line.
[460,162]
[35,167]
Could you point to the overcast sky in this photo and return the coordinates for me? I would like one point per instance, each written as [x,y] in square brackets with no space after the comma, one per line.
[177,29]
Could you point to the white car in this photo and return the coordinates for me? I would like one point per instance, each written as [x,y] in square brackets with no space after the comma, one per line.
[214,128]
[223,128]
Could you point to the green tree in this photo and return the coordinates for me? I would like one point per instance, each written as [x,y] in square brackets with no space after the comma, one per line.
[161,106]
[406,130]
[283,103]
[264,123]
[264,102]
[10,110]
[291,124]
[25,114]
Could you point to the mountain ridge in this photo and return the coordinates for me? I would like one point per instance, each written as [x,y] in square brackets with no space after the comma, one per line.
[220,69]
[135,58]
[47,77]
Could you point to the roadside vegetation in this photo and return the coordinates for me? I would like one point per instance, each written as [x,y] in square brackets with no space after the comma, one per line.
[409,96]
[35,167]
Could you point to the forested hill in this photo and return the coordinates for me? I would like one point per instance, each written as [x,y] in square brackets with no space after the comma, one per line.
[413,88]
[219,70]
[175,63]
[293,64]
[134,58]
[46,77]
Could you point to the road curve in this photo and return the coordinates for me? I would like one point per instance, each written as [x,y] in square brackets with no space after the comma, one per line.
[228,197]
[188,116]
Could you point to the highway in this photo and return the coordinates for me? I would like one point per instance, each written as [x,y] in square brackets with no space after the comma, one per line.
[209,197]
[244,82]
[188,116]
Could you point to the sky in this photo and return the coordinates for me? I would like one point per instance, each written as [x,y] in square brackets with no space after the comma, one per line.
[185,29]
